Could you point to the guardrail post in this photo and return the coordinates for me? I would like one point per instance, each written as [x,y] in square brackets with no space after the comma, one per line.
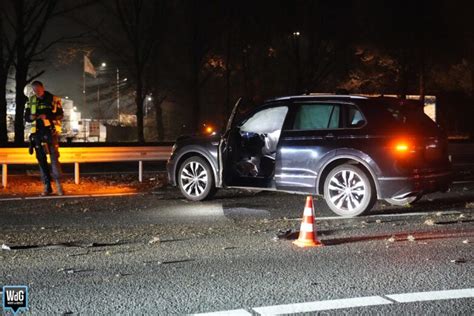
[140,171]
[4,175]
[76,173]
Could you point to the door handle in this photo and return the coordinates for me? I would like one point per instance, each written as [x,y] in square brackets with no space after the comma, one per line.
[330,136]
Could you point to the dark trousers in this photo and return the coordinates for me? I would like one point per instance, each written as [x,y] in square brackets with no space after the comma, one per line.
[46,141]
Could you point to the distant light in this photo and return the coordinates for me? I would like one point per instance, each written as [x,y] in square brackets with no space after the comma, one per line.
[208,129]
[75,108]
[296,33]
[103,64]
[66,97]
[149,98]
[125,79]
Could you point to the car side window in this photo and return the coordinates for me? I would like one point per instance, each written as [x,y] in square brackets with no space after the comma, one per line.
[266,121]
[317,116]
[355,117]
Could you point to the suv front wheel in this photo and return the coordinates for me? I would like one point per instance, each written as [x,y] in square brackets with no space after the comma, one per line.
[195,179]
[348,191]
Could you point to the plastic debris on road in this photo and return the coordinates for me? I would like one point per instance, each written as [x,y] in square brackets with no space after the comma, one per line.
[154,240]
[5,247]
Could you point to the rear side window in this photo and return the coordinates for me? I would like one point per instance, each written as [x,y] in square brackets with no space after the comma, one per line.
[317,116]
[354,117]
[410,116]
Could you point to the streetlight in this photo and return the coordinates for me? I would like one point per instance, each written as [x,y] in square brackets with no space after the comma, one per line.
[296,47]
[102,66]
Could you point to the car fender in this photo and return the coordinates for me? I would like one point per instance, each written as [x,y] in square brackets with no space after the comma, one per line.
[356,155]
[200,151]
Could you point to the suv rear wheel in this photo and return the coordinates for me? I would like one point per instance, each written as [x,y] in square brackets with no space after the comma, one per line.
[348,191]
[195,179]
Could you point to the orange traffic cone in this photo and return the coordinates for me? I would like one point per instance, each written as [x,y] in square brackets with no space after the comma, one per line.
[307,236]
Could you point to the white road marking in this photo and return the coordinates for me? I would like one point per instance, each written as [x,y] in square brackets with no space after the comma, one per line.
[431,296]
[235,312]
[352,302]
[322,305]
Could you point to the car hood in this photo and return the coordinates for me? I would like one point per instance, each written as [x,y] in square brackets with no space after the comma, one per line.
[198,140]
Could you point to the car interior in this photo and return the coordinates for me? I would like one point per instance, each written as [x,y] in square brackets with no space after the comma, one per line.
[256,139]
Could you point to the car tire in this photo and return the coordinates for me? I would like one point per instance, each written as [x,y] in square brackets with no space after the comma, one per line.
[405,201]
[196,179]
[349,191]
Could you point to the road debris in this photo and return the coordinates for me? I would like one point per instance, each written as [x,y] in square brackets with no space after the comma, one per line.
[391,239]
[465,241]
[283,234]
[410,238]
[457,261]
[429,222]
[175,261]
[154,240]
[72,270]
[229,248]
[5,247]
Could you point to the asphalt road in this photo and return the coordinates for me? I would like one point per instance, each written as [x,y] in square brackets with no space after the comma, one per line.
[157,254]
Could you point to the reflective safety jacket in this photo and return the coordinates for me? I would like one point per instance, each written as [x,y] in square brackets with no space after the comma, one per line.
[48,105]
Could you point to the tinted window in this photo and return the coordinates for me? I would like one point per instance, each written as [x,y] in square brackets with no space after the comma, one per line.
[355,117]
[317,116]
[409,116]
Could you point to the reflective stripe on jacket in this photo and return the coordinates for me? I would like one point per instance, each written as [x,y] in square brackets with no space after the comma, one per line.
[50,105]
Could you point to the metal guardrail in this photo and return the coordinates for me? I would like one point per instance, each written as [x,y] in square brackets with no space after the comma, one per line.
[462,156]
[77,155]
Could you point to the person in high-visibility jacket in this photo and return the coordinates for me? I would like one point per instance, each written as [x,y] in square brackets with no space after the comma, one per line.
[44,111]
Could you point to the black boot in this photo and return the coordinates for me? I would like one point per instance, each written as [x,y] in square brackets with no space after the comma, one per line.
[59,188]
[47,190]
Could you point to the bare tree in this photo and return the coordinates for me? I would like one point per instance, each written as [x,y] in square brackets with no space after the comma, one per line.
[6,60]
[139,20]
[29,20]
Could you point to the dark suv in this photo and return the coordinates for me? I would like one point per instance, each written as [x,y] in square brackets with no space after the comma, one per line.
[352,150]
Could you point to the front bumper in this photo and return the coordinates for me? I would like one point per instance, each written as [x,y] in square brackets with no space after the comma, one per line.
[400,187]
